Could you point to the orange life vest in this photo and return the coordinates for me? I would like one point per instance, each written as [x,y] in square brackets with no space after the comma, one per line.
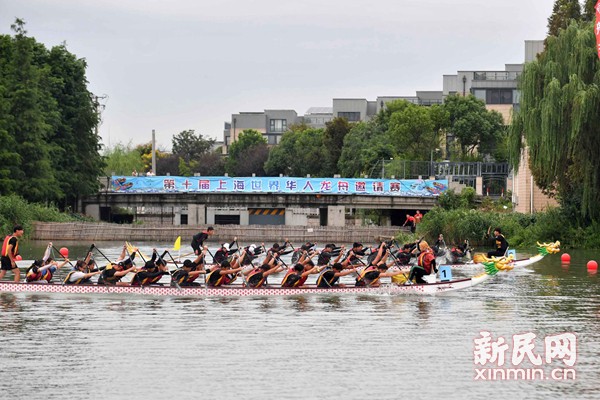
[15,249]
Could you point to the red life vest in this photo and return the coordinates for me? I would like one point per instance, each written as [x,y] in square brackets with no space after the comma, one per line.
[425,260]
[15,249]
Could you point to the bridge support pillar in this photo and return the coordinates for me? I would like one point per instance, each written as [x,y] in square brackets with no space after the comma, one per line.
[196,214]
[336,216]
[93,210]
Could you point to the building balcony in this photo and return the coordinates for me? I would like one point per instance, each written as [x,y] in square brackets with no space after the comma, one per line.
[496,75]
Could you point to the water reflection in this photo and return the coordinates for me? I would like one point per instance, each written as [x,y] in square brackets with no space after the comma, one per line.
[298,345]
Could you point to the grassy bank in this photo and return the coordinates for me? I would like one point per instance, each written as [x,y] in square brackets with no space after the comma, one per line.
[16,211]
[521,230]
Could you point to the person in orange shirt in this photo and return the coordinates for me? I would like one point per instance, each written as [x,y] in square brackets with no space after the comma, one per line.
[418,217]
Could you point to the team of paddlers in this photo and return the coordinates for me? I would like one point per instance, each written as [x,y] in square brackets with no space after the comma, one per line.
[231,262]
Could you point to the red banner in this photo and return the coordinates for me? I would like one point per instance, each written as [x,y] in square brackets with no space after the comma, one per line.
[597,27]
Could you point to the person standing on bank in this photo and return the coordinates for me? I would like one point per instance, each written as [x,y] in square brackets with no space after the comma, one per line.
[199,238]
[500,242]
[410,220]
[10,250]
[418,217]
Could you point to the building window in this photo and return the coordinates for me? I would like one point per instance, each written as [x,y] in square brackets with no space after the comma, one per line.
[499,96]
[278,125]
[479,94]
[350,116]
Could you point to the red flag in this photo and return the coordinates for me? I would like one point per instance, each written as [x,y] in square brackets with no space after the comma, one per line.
[597,27]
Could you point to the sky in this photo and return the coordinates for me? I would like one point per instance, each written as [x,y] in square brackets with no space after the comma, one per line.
[190,64]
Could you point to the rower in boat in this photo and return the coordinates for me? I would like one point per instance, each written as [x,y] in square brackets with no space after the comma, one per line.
[355,255]
[371,276]
[224,251]
[297,275]
[328,252]
[258,276]
[43,270]
[377,268]
[330,276]
[250,254]
[277,251]
[80,275]
[425,264]
[113,273]
[189,272]
[224,273]
[500,242]
[308,246]
[152,271]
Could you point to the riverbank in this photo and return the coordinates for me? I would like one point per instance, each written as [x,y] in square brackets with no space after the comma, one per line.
[101,231]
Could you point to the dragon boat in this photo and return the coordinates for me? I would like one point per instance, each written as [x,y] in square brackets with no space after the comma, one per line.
[479,259]
[492,267]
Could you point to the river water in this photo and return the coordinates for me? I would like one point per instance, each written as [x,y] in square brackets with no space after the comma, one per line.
[305,347]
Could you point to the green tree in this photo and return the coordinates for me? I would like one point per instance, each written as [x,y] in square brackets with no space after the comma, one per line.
[559,121]
[588,10]
[49,151]
[9,158]
[365,145]
[333,141]
[123,160]
[282,157]
[191,147]
[300,152]
[476,130]
[73,138]
[412,132]
[247,154]
[562,13]
[32,111]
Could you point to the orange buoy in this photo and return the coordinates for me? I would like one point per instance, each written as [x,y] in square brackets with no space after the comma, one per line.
[64,252]
[565,257]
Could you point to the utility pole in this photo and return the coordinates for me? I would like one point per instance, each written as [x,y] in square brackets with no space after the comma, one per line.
[153,152]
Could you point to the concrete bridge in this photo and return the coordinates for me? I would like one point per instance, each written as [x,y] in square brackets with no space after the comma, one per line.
[254,209]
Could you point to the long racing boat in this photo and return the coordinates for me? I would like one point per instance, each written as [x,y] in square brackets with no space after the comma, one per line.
[239,290]
[492,267]
[543,250]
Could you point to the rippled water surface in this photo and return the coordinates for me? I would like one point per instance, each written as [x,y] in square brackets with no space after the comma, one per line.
[305,347]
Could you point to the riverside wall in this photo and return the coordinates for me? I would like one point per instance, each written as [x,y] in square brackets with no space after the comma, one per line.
[100,231]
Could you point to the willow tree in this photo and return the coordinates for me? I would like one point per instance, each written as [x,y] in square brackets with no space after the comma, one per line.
[559,120]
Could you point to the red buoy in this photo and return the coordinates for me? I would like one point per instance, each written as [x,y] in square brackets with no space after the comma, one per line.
[64,252]
[565,257]
[592,264]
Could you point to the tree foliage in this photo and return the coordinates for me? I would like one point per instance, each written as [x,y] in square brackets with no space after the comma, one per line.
[191,147]
[301,152]
[248,154]
[333,141]
[194,154]
[563,12]
[123,160]
[49,150]
[476,130]
[559,120]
